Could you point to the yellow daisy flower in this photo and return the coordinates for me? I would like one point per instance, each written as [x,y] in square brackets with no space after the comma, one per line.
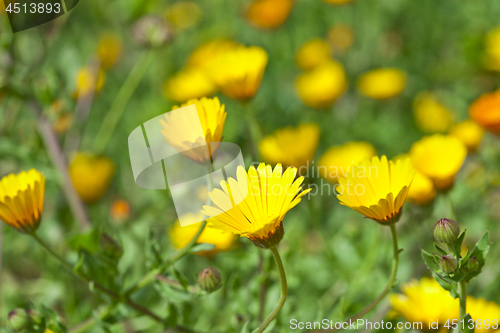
[485,311]
[270,194]
[430,115]
[91,175]
[492,52]
[86,82]
[187,84]
[239,71]
[485,111]
[424,300]
[340,37]
[470,133]
[382,83]
[291,146]
[268,14]
[321,86]
[439,157]
[422,190]
[208,53]
[21,200]
[109,49]
[181,236]
[313,53]
[178,131]
[184,14]
[337,160]
[377,188]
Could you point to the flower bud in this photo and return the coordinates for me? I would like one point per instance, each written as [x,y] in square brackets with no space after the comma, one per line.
[446,231]
[473,264]
[17,320]
[448,264]
[152,31]
[209,279]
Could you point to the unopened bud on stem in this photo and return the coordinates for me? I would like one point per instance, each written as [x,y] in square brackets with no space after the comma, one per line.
[446,231]
[448,264]
[209,279]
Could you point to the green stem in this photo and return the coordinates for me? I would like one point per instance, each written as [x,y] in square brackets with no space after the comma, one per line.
[120,102]
[463,303]
[388,287]
[255,131]
[284,291]
[96,284]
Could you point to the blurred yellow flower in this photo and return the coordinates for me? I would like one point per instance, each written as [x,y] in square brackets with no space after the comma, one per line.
[313,53]
[120,210]
[178,131]
[268,14]
[492,50]
[422,190]
[321,86]
[183,14]
[208,53]
[439,157]
[340,37]
[377,188]
[259,215]
[91,175]
[469,132]
[430,115]
[337,2]
[181,236]
[239,71]
[486,111]
[338,160]
[424,300]
[87,81]
[109,49]
[21,200]
[291,146]
[187,84]
[63,122]
[382,83]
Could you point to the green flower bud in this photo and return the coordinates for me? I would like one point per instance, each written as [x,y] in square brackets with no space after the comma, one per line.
[473,264]
[17,320]
[209,279]
[448,264]
[446,231]
[34,316]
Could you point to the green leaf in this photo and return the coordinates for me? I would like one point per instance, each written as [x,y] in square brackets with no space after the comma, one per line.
[430,261]
[172,316]
[182,280]
[468,329]
[464,259]
[447,284]
[458,243]
[88,242]
[246,328]
[202,247]
[440,249]
[480,251]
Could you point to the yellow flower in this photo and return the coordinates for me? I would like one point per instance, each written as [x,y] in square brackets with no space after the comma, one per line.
[422,190]
[424,300]
[312,54]
[178,131]
[91,175]
[21,200]
[239,71]
[486,111]
[337,160]
[109,49]
[470,133]
[181,236]
[184,14]
[439,157]
[291,146]
[340,37]
[264,195]
[486,311]
[268,14]
[321,86]
[337,2]
[207,54]
[382,83]
[377,188]
[188,84]
[430,115]
[493,49]
[87,81]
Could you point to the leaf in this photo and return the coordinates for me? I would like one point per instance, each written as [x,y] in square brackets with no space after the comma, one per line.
[89,241]
[246,328]
[447,284]
[480,251]
[458,243]
[182,280]
[202,247]
[440,249]
[465,322]
[172,316]
[464,259]
[430,261]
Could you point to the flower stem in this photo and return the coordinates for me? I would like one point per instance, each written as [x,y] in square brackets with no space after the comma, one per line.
[284,291]
[388,287]
[96,284]
[463,302]
[255,131]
